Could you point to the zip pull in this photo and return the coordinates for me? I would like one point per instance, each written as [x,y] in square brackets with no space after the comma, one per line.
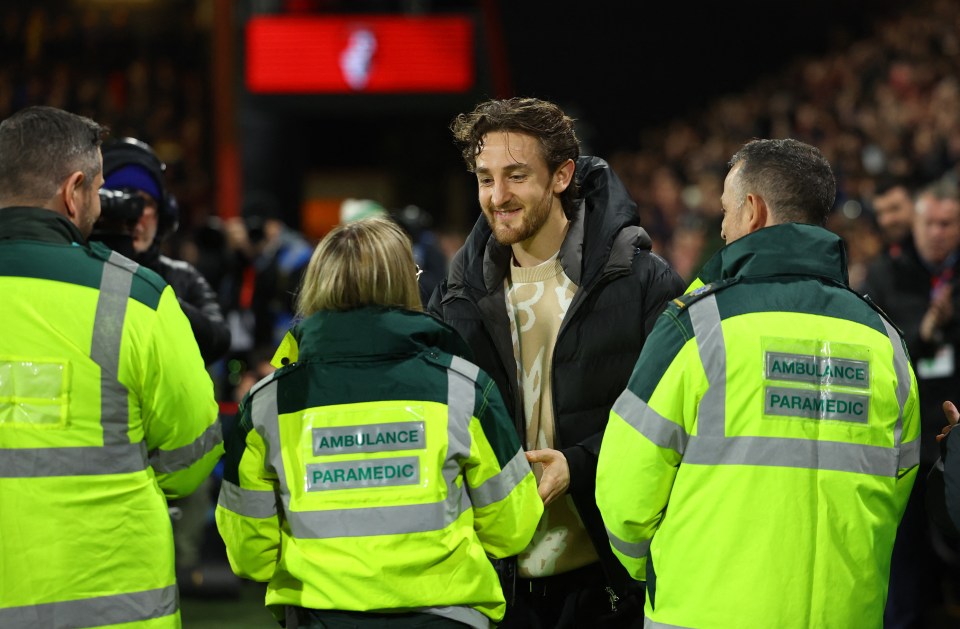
[614,599]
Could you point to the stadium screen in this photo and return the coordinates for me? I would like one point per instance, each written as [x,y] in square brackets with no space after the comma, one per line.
[360,54]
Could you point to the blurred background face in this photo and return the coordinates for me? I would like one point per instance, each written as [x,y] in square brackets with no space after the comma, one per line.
[145,230]
[894,212]
[936,228]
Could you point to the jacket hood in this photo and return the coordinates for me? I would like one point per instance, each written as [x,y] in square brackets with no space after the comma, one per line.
[373,333]
[788,249]
[605,210]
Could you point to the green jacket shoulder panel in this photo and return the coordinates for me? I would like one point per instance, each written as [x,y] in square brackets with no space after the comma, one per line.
[687,299]
[147,286]
[74,264]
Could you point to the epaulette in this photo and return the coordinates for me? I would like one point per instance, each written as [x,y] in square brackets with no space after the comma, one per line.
[685,300]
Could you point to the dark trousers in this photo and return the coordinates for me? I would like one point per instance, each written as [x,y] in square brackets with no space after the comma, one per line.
[915,567]
[574,599]
[301,618]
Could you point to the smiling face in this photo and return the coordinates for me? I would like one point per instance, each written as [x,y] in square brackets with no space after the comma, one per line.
[518,194]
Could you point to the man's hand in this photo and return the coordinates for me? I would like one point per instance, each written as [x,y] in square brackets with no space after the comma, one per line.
[556,473]
[938,314]
[953,415]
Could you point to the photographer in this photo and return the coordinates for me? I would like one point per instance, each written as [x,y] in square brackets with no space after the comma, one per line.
[132,167]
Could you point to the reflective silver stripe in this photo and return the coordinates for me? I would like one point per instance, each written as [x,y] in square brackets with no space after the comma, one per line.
[637,550]
[168,461]
[364,522]
[249,503]
[705,317]
[799,453]
[347,522]
[649,423]
[266,421]
[710,447]
[80,461]
[901,368]
[498,487]
[94,612]
[910,454]
[467,615]
[461,396]
[652,624]
[105,346]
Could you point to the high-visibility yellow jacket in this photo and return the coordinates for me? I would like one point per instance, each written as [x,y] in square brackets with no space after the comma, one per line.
[756,468]
[105,408]
[378,472]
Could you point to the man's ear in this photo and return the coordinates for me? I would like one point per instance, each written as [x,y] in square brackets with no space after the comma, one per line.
[757,214]
[70,194]
[563,176]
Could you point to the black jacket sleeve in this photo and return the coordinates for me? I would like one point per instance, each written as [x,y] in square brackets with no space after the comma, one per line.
[199,302]
[943,488]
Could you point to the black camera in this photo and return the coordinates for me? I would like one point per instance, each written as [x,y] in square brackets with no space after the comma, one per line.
[120,206]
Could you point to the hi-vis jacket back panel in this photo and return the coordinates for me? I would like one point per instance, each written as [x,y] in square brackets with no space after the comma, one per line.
[756,468]
[378,472]
[105,407]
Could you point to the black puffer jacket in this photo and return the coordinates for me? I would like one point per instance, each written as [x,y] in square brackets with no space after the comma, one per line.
[623,287]
[198,301]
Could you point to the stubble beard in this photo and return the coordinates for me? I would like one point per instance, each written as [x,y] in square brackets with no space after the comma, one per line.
[531,220]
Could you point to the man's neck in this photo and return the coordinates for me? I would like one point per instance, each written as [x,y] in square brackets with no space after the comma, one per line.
[544,244]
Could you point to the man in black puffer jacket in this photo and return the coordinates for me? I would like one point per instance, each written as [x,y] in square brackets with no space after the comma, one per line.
[555,290]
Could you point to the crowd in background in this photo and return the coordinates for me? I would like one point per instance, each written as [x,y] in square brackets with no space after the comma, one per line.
[886,105]
[883,107]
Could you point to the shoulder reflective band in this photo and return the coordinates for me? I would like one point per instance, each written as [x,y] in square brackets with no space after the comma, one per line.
[390,520]
[910,452]
[117,455]
[711,446]
[132,607]
[649,423]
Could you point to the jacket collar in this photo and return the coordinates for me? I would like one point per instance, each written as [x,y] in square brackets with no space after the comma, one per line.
[35,223]
[373,333]
[787,249]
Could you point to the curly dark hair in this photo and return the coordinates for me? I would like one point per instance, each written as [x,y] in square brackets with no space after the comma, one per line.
[540,119]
